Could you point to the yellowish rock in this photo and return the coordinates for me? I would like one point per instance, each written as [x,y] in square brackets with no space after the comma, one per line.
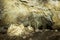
[15,30]
[21,9]
[19,30]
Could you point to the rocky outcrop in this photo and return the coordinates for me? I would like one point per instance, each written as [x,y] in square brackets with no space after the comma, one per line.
[36,14]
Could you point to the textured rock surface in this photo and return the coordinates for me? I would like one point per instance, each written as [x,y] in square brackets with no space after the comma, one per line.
[33,14]
[17,11]
[15,30]
[44,35]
